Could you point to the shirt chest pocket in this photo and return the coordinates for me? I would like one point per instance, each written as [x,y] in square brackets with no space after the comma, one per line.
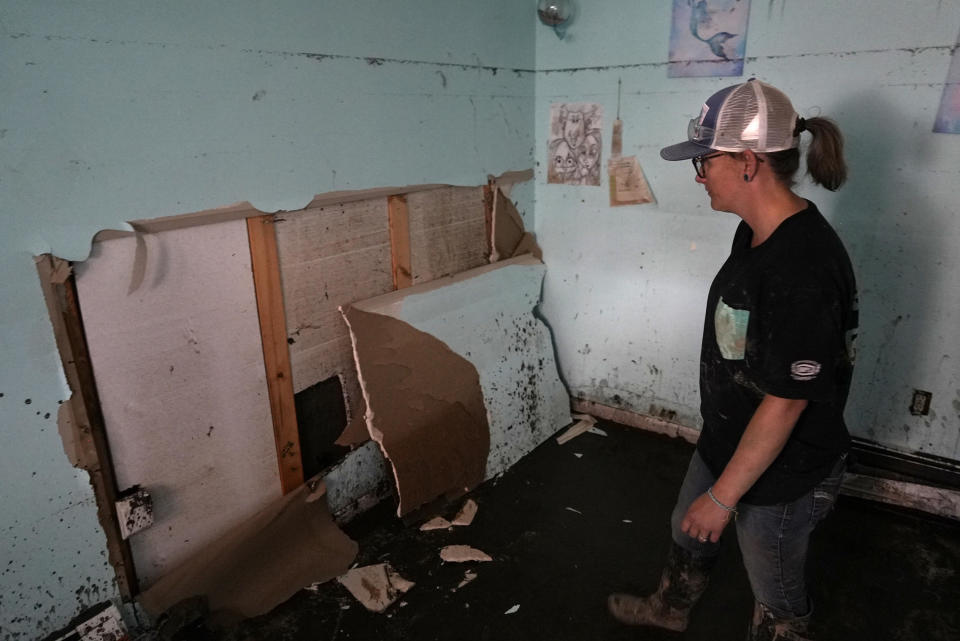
[730,326]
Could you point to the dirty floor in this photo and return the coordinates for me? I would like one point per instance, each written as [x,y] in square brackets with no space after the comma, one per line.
[571,523]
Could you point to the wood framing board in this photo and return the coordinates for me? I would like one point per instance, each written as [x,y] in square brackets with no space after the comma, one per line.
[79,420]
[276,357]
[399,241]
[447,232]
[330,256]
[485,315]
[180,374]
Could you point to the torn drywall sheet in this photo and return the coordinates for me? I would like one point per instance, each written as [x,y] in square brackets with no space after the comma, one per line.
[486,316]
[375,586]
[290,544]
[509,236]
[463,554]
[424,407]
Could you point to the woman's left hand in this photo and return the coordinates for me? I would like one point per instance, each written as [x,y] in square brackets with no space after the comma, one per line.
[705,520]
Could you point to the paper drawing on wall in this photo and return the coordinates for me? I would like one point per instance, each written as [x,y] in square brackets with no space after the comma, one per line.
[948,117]
[574,144]
[708,38]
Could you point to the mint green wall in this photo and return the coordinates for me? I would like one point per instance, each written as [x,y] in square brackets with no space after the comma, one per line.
[626,286]
[114,111]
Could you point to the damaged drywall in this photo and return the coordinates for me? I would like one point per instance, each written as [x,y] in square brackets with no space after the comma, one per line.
[288,545]
[180,375]
[486,316]
[424,407]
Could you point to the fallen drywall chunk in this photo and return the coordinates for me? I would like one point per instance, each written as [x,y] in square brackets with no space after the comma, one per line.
[597,431]
[463,554]
[468,576]
[513,609]
[291,543]
[584,424]
[573,510]
[375,586]
[466,514]
[436,523]
[424,407]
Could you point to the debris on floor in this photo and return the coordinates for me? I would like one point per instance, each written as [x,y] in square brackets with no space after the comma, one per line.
[513,609]
[290,544]
[468,576]
[463,554]
[375,586]
[466,514]
[463,518]
[583,424]
[436,523]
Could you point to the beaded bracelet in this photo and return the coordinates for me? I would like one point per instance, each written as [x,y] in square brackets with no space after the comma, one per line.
[717,501]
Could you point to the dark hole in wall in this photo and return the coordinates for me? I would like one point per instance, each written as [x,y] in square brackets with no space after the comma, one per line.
[321,417]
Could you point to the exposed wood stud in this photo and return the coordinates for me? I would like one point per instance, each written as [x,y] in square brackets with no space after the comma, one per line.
[64,309]
[400,241]
[276,354]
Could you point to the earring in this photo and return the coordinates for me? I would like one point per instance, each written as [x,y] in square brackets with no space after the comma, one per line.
[746,178]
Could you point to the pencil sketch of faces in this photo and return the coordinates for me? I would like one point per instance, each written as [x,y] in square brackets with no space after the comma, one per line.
[575,145]
[564,162]
[573,127]
[588,157]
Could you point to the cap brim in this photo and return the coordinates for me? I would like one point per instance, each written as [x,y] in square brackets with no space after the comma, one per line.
[683,151]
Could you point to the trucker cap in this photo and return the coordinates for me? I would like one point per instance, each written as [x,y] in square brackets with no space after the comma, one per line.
[752,115]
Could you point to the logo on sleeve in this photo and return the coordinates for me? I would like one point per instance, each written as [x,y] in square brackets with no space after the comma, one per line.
[804,370]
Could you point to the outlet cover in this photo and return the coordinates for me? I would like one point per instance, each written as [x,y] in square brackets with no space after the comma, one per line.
[920,405]
[134,511]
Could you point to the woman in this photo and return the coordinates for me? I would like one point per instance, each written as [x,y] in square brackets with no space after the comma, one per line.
[775,365]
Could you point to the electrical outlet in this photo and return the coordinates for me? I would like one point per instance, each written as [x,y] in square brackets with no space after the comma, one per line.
[105,626]
[920,405]
[134,511]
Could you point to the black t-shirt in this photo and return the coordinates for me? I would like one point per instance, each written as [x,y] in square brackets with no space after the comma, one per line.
[781,319]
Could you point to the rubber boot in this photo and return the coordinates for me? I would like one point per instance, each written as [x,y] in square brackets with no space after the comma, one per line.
[681,584]
[767,627]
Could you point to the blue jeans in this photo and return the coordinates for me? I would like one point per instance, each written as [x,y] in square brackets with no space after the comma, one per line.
[773,538]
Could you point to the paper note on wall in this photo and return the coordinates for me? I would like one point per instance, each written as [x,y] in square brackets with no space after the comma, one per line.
[948,117]
[627,183]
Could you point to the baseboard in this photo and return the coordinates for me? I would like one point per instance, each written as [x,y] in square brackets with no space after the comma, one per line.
[914,481]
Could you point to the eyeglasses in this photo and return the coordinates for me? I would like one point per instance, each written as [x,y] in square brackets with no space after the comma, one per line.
[699,160]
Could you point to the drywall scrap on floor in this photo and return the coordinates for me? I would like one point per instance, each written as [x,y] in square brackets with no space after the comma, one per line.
[375,586]
[424,407]
[289,545]
[180,375]
[484,315]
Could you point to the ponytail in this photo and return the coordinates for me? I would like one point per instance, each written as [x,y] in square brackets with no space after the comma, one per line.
[825,162]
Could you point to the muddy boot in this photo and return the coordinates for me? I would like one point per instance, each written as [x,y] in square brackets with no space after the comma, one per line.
[681,584]
[766,627]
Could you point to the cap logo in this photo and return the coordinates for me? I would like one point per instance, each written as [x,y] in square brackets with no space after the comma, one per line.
[804,370]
